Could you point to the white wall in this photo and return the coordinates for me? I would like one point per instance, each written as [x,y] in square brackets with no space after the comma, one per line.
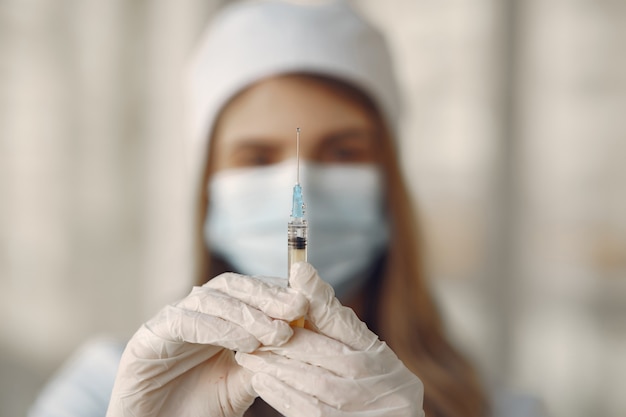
[513,142]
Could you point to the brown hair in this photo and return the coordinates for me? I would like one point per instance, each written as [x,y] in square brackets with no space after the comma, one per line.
[404,311]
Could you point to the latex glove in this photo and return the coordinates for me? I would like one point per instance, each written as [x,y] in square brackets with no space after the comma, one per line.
[340,369]
[181,362]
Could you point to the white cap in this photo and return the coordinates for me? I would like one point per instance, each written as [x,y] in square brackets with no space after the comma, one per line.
[252,40]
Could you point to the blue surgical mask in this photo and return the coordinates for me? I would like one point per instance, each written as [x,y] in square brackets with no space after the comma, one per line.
[246,222]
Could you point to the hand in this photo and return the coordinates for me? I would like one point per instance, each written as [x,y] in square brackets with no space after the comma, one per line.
[181,362]
[340,368]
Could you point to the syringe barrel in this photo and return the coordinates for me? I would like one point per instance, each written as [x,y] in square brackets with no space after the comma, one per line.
[297,230]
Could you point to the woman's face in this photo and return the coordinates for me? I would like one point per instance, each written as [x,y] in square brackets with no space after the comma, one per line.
[258,127]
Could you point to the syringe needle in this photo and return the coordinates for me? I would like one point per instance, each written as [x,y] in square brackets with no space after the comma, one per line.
[298,155]
[297,208]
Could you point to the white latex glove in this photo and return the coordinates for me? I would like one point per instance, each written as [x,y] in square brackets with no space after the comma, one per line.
[339,370]
[181,362]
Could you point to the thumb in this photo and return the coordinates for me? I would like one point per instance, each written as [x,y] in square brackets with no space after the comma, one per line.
[239,394]
[326,312]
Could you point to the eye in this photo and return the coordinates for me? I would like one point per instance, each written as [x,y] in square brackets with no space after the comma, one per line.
[355,147]
[254,155]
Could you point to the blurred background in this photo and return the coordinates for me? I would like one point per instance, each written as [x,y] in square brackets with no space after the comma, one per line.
[514,141]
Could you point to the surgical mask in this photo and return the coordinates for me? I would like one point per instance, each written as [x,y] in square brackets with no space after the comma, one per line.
[249,208]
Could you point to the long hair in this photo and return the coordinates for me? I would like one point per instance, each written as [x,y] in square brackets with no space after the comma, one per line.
[407,316]
[404,312]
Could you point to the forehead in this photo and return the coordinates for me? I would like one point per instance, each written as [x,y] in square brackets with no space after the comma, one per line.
[276,106]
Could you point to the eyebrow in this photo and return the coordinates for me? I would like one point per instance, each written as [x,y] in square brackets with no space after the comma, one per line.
[253,141]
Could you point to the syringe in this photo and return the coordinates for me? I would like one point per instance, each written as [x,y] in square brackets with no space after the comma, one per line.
[297,227]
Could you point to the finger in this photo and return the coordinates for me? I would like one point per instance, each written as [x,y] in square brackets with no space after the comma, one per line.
[154,361]
[238,394]
[319,350]
[326,312]
[323,384]
[288,401]
[179,325]
[275,301]
[331,396]
[212,303]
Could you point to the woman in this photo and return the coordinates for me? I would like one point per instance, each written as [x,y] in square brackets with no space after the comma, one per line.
[263,69]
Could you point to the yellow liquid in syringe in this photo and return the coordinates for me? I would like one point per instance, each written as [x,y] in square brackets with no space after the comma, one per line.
[296,242]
